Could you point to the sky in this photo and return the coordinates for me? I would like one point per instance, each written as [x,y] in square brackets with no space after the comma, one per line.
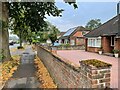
[85,12]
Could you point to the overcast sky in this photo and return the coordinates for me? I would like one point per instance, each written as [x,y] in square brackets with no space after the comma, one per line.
[86,11]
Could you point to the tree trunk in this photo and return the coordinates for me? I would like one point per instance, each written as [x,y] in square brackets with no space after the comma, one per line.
[4,35]
[20,38]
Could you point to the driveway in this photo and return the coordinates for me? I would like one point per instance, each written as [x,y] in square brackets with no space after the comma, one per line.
[77,55]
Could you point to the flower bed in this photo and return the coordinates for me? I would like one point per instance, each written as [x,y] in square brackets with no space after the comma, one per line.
[96,63]
[43,75]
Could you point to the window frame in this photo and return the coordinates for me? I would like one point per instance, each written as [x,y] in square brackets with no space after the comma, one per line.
[93,42]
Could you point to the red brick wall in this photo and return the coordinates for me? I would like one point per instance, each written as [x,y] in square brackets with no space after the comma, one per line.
[67,75]
[80,41]
[92,49]
[106,44]
[78,34]
[117,44]
[63,74]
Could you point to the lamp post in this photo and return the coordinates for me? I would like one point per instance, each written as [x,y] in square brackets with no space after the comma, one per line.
[118,12]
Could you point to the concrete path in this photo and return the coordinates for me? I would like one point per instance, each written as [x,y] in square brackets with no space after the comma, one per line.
[24,77]
[75,56]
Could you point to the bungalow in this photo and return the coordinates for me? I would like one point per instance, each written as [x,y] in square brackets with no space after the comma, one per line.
[105,36]
[74,36]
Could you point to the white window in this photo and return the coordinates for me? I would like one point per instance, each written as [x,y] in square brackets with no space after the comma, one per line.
[94,42]
[66,41]
[60,41]
[72,42]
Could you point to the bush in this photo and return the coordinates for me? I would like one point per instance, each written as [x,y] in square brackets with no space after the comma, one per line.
[116,51]
[96,63]
[67,45]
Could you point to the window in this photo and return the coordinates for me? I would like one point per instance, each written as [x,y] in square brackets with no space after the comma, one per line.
[72,42]
[66,41]
[112,41]
[98,42]
[94,42]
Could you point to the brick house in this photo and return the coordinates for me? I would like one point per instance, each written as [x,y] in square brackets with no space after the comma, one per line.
[74,36]
[105,36]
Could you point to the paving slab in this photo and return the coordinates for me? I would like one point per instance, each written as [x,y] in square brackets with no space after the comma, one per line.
[24,77]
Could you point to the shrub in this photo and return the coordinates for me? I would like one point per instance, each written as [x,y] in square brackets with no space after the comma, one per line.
[116,51]
[96,63]
[67,45]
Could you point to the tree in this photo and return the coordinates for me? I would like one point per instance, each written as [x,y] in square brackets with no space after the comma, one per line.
[92,24]
[33,15]
[48,32]
[53,34]
[4,35]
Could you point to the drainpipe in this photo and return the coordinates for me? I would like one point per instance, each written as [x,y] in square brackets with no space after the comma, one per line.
[118,12]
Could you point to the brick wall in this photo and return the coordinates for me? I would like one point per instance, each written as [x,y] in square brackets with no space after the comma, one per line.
[117,44]
[78,34]
[93,49]
[80,41]
[106,44]
[99,77]
[67,75]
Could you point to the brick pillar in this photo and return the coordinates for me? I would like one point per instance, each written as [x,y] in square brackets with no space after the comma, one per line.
[96,77]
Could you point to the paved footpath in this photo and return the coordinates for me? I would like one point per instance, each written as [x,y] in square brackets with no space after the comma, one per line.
[24,77]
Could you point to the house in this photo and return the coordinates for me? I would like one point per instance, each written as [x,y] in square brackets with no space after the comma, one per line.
[60,34]
[74,36]
[105,36]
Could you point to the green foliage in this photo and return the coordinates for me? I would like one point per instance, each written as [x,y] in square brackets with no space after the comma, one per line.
[73,2]
[116,51]
[96,63]
[65,45]
[53,33]
[92,24]
[28,17]
[32,14]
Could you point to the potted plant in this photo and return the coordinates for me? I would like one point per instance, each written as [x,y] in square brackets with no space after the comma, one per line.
[100,50]
[116,53]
